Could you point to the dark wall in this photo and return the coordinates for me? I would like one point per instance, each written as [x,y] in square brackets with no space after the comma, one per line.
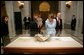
[35,7]
[18,22]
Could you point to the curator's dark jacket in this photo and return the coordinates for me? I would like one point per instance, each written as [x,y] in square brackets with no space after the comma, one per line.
[4,28]
[57,24]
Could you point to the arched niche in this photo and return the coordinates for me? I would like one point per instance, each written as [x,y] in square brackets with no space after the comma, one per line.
[44,6]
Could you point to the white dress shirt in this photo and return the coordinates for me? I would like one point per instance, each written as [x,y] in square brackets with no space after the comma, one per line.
[27,19]
[50,27]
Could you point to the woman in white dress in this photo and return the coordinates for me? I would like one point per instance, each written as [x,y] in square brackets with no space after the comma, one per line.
[50,25]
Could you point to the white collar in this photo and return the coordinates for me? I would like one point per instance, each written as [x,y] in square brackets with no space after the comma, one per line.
[57,18]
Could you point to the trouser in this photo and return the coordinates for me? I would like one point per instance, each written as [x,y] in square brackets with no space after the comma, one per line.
[73,28]
[26,25]
[58,32]
[5,40]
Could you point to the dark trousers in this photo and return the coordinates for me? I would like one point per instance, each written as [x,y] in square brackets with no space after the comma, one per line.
[26,25]
[73,28]
[5,40]
[58,31]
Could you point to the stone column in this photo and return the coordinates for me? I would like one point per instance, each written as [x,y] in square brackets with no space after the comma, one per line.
[62,10]
[23,15]
[74,8]
[26,11]
[9,10]
[27,8]
[79,23]
[59,7]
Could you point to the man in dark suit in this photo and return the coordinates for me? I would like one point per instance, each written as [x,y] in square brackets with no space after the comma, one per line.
[58,24]
[26,22]
[33,27]
[73,23]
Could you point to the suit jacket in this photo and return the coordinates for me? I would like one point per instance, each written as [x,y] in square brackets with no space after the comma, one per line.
[33,26]
[4,28]
[57,24]
[25,18]
[73,24]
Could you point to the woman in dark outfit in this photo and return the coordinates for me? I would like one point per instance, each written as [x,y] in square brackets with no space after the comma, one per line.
[4,30]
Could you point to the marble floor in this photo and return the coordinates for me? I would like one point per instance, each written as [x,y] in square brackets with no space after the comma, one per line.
[65,33]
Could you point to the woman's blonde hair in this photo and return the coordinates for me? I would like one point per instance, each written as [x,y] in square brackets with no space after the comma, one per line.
[50,15]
